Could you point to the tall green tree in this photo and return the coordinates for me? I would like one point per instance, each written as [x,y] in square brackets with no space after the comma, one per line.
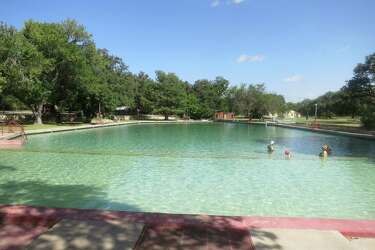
[144,94]
[211,95]
[362,87]
[24,70]
[243,99]
[275,104]
[171,94]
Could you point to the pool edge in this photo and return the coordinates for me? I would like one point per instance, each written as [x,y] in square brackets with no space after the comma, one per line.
[44,216]
[96,126]
[314,130]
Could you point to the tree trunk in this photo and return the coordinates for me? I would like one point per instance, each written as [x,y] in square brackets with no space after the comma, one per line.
[38,114]
[166,116]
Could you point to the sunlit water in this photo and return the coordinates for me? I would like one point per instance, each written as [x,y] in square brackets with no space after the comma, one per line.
[209,168]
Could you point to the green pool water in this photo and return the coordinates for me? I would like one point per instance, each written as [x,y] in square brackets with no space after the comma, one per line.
[207,168]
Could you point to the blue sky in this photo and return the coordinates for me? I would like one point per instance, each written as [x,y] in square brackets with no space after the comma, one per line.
[299,48]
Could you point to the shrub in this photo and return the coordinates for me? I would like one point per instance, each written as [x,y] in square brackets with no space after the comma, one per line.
[368,117]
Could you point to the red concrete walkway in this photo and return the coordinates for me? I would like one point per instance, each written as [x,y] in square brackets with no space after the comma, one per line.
[177,236]
[186,231]
[14,236]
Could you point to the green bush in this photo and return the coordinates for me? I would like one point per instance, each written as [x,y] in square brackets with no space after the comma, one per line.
[368,117]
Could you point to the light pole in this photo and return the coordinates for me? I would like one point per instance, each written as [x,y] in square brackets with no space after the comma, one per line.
[316,110]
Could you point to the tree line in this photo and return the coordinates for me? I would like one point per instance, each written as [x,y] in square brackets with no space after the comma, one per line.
[355,98]
[59,65]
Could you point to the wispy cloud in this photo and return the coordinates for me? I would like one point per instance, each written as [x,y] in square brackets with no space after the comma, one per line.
[293,78]
[215,3]
[248,58]
[237,1]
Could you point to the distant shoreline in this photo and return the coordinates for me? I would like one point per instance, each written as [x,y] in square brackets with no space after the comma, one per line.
[335,130]
[92,126]
[346,131]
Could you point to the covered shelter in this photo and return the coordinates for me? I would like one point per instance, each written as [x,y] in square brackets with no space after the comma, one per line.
[224,115]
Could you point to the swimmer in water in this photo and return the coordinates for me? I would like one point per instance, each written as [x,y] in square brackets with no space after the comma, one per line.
[270,147]
[287,154]
[326,150]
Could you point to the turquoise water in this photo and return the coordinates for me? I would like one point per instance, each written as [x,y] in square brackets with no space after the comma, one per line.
[209,168]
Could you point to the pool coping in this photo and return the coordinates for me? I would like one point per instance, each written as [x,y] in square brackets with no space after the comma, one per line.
[327,131]
[41,216]
[316,130]
[95,126]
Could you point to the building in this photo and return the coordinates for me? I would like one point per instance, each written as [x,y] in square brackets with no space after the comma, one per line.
[224,116]
[291,114]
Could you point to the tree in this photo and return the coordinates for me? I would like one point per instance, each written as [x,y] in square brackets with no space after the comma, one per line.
[25,70]
[144,94]
[257,93]
[243,99]
[275,103]
[59,65]
[361,91]
[193,109]
[306,107]
[111,83]
[171,94]
[211,95]
[70,50]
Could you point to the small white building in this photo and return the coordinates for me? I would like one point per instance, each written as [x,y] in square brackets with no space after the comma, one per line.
[291,114]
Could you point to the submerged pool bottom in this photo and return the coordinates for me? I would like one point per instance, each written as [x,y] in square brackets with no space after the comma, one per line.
[219,169]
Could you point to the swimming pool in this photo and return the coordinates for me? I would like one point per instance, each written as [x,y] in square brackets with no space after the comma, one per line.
[205,168]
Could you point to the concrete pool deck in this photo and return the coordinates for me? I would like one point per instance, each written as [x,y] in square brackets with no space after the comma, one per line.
[370,135]
[10,136]
[326,131]
[170,231]
[93,126]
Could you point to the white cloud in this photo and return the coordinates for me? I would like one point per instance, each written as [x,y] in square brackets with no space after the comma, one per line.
[247,58]
[293,78]
[215,3]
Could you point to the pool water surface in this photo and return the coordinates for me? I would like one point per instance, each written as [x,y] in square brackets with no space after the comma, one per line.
[203,168]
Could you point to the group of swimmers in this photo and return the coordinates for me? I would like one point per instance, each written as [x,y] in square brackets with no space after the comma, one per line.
[326,150]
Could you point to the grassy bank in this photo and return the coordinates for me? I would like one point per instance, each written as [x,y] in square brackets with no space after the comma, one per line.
[345,124]
[337,121]
[29,127]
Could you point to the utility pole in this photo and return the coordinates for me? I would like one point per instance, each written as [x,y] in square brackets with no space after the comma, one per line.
[316,110]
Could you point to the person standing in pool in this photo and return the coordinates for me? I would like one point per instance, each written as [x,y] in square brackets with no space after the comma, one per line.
[270,147]
[326,150]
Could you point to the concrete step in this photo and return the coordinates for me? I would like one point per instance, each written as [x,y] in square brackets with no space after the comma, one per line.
[293,239]
[89,234]
[363,244]
[186,237]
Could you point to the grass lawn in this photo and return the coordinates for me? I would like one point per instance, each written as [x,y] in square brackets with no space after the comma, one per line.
[344,121]
[29,127]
